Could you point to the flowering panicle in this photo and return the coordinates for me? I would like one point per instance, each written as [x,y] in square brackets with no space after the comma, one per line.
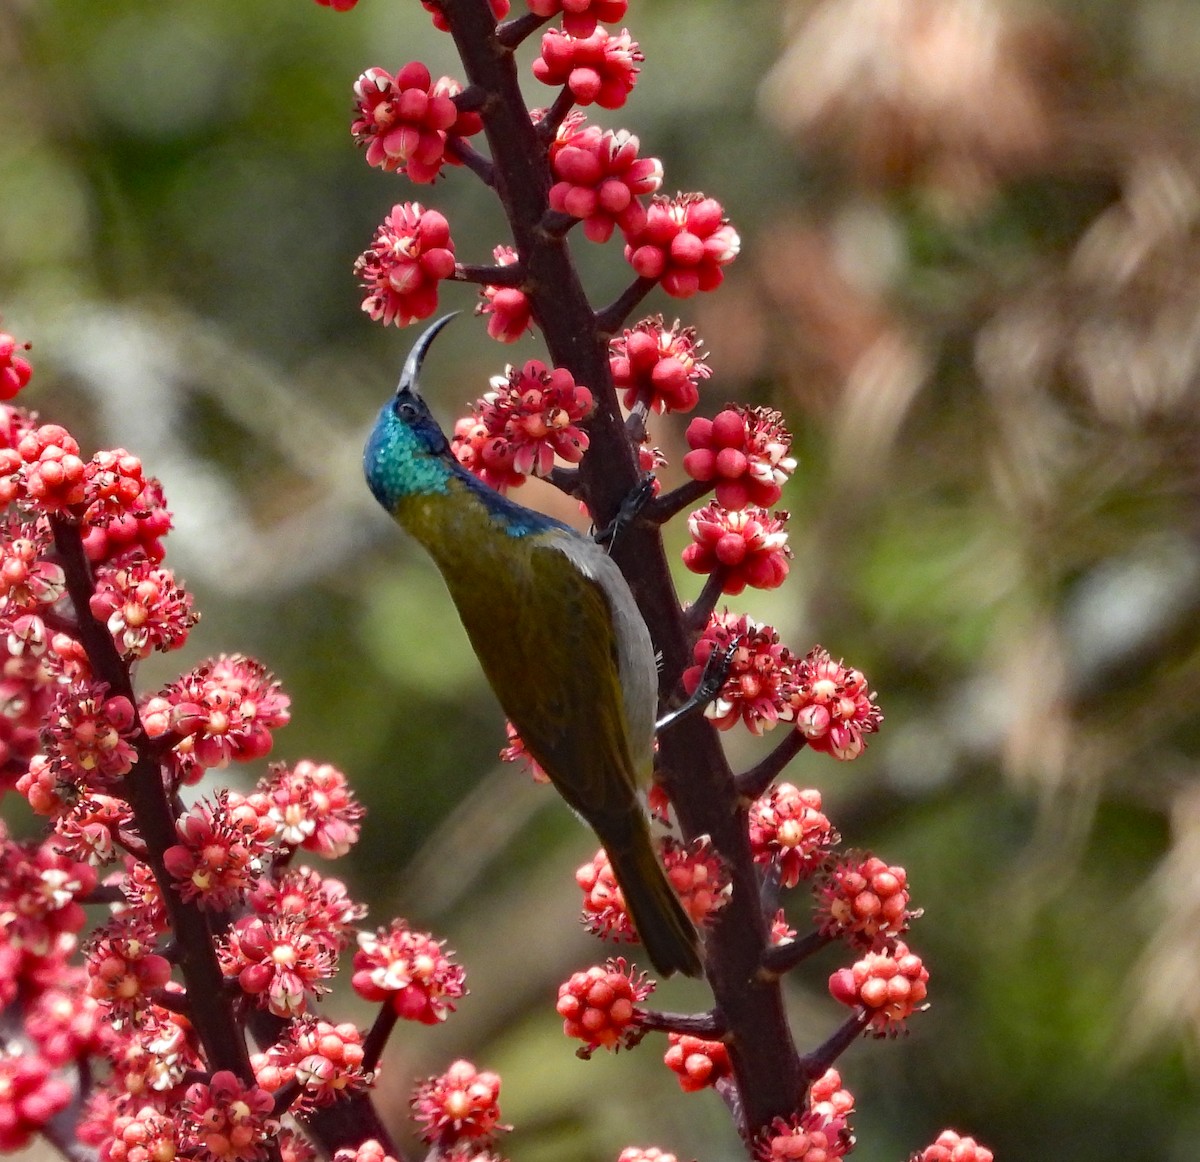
[744,451]
[889,986]
[863,901]
[789,831]
[90,735]
[277,960]
[531,415]
[599,1006]
[748,547]
[461,1105]
[143,607]
[322,905]
[411,253]
[697,1063]
[832,706]
[15,370]
[684,245]
[808,1137]
[224,1120]
[123,968]
[599,68]
[323,1059]
[758,685]
[579,17]
[508,309]
[409,971]
[658,368]
[313,807]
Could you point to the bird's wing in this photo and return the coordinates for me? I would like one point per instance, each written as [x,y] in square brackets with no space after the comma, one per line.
[549,653]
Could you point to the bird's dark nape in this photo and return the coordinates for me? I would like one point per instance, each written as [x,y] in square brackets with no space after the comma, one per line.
[416,356]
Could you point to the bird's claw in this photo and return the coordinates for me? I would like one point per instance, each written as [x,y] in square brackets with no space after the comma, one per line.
[631,508]
[712,681]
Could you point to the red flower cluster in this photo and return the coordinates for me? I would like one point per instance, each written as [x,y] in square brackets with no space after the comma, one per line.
[15,370]
[530,416]
[684,245]
[599,68]
[789,830]
[863,901]
[807,1138]
[832,706]
[890,985]
[657,368]
[759,683]
[409,971]
[325,1060]
[599,1006]
[313,807]
[951,1147]
[411,253]
[698,1063]
[509,311]
[745,451]
[748,547]
[601,180]
[404,121]
[461,1105]
[225,1121]
[580,16]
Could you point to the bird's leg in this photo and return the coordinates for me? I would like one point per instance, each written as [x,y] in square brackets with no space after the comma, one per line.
[631,508]
[716,670]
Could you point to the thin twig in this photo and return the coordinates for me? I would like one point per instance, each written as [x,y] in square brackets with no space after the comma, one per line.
[609,318]
[758,778]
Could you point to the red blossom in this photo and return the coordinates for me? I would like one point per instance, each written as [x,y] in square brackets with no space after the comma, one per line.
[64,1023]
[30,1095]
[832,706]
[143,1135]
[747,547]
[698,1063]
[744,450]
[580,16]
[15,370]
[40,890]
[221,712]
[509,311]
[411,252]
[460,1105]
[122,967]
[410,971]
[530,416]
[599,1006]
[314,807]
[604,911]
[600,67]
[601,180]
[889,985]
[806,1138]
[699,876]
[951,1147]
[278,961]
[338,5]
[684,244]
[27,578]
[143,608]
[43,469]
[658,368]
[827,1098]
[140,525]
[403,120]
[758,684]
[863,901]
[227,1121]
[369,1151]
[223,849]
[321,904]
[324,1059]
[515,752]
[789,829]
[91,735]
[781,931]
[89,829]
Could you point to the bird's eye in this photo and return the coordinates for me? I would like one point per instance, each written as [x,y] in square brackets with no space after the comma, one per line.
[406,410]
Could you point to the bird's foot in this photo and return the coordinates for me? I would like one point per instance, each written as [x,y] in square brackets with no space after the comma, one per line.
[631,508]
[712,680]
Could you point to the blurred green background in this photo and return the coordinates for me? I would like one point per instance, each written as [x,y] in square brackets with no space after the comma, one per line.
[970,278]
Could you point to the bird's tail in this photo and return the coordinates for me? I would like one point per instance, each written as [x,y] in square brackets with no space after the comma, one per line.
[664,928]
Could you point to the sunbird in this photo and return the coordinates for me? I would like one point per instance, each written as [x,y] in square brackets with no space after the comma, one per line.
[558,635]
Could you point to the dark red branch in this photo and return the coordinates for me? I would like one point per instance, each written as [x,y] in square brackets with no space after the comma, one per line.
[814,1064]
[662,508]
[377,1038]
[512,32]
[706,1025]
[609,318]
[511,275]
[475,161]
[211,1011]
[701,609]
[757,779]
[782,958]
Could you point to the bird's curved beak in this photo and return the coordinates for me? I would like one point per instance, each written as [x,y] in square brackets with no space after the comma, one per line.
[412,365]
